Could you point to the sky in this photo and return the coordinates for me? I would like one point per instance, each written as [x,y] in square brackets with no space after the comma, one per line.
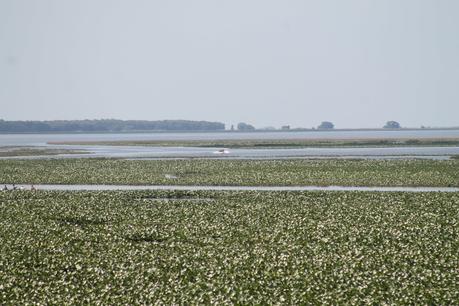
[356,63]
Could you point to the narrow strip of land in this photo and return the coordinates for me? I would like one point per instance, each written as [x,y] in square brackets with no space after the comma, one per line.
[229,188]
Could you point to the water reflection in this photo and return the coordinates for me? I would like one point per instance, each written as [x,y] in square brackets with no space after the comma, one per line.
[140,152]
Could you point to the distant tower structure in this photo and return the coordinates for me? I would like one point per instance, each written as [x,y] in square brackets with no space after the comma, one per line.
[232,127]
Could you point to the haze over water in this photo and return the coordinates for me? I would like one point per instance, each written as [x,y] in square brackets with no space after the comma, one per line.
[265,62]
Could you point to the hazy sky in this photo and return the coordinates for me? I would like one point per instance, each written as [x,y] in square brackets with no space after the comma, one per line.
[357,63]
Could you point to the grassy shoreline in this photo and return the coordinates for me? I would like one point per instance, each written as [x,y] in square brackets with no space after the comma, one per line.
[11,151]
[279,143]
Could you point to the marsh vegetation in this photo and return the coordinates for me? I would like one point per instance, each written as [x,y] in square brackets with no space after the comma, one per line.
[274,143]
[241,248]
[12,151]
[435,173]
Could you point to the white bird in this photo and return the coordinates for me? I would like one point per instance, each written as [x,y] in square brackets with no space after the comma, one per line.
[222,151]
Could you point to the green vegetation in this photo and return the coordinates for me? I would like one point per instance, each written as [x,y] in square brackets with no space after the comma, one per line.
[392,125]
[326,125]
[107,125]
[242,126]
[233,172]
[35,151]
[276,143]
[126,248]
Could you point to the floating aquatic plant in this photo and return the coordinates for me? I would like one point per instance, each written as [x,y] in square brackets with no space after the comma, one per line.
[233,172]
[296,248]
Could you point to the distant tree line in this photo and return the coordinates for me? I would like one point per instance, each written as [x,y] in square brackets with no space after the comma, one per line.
[242,126]
[107,125]
[326,125]
[392,125]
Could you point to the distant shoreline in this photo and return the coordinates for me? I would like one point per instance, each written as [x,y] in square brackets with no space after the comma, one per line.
[233,131]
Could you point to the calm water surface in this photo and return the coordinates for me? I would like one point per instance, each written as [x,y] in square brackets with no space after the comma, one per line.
[42,139]
[190,152]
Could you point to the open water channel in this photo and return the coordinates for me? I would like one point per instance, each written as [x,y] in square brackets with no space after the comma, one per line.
[149,152]
[231,188]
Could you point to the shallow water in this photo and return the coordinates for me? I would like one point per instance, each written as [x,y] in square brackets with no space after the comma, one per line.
[235,188]
[272,153]
[140,152]
[42,139]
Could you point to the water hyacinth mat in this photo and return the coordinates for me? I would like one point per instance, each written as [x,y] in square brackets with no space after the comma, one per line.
[204,247]
[439,173]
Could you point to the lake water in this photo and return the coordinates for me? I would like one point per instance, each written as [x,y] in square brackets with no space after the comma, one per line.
[190,152]
[42,139]
[139,152]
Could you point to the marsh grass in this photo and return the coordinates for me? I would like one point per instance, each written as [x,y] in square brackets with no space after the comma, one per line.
[278,143]
[36,151]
